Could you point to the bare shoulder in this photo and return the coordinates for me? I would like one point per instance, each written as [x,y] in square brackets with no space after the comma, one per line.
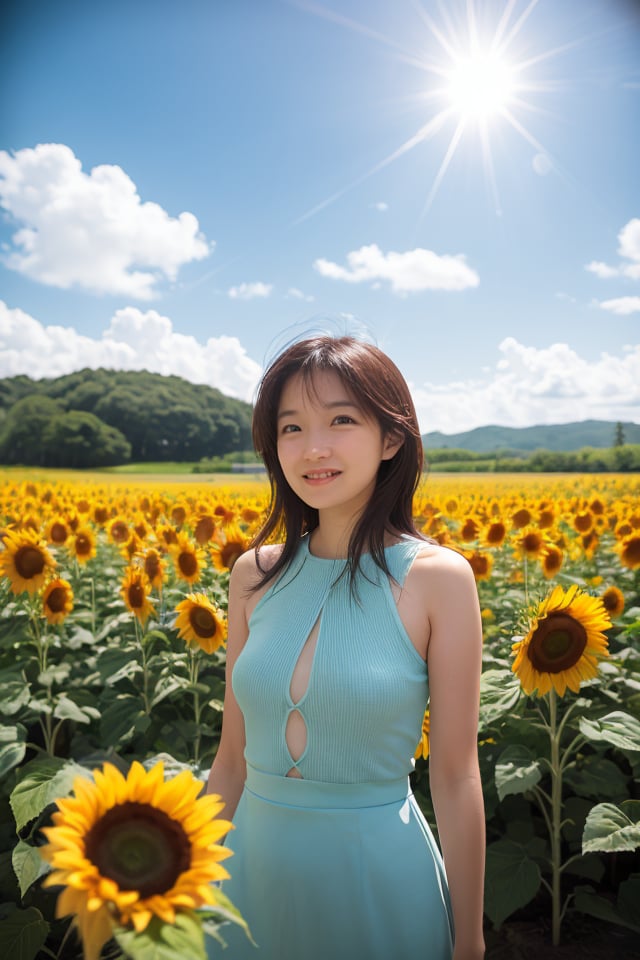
[436,560]
[253,564]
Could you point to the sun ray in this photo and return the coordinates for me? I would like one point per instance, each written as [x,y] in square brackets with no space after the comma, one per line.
[481,82]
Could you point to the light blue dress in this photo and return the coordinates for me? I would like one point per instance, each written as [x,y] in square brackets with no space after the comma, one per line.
[340,864]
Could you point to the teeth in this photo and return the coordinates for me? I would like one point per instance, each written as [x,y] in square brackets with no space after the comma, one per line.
[321,476]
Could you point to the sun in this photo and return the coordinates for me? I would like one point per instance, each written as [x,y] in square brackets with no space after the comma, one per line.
[480,86]
[480,70]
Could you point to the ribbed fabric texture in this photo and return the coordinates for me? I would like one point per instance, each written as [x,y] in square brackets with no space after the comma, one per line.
[367,691]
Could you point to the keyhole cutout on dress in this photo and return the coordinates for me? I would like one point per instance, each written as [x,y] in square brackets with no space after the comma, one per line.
[296,729]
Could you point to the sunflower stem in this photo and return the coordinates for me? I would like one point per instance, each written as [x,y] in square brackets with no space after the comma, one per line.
[526,580]
[197,707]
[556,813]
[93,606]
[145,672]
[564,760]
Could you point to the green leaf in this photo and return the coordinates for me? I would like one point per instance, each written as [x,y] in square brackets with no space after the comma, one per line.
[499,693]
[117,662]
[57,673]
[14,695]
[517,771]
[629,898]
[223,910]
[68,709]
[609,828]
[512,879]
[12,747]
[586,901]
[165,941]
[121,719]
[28,865]
[23,933]
[42,782]
[598,778]
[619,729]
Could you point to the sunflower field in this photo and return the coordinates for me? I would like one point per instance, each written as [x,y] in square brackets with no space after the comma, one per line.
[112,654]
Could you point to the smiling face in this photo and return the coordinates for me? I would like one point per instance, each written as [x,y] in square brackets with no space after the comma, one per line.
[329,449]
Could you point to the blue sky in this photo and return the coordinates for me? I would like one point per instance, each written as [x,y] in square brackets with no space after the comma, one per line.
[184,184]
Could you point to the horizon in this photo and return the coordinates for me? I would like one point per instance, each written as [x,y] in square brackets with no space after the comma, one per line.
[185,188]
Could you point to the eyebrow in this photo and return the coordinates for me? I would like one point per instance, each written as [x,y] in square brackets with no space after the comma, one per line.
[325,406]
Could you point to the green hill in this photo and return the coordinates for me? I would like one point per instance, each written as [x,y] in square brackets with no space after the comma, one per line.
[104,417]
[562,437]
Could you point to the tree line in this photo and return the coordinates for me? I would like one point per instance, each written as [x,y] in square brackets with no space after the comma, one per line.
[96,418]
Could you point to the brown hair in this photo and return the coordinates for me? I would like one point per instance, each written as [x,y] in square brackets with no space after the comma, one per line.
[380,389]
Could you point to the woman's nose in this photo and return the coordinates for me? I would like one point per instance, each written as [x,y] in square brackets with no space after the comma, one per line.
[317,448]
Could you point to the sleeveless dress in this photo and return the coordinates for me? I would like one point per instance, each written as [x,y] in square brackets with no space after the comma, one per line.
[339,863]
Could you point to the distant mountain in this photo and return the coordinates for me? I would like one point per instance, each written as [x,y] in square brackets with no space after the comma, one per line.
[560,437]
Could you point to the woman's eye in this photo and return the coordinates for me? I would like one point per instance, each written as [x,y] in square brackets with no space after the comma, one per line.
[290,428]
[343,418]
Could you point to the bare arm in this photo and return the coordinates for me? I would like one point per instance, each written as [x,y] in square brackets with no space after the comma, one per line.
[228,772]
[454,663]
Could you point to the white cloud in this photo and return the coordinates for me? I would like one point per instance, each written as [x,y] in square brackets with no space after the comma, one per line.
[90,230]
[530,386]
[134,340]
[249,291]
[622,305]
[602,270]
[408,272]
[629,248]
[294,294]
[381,206]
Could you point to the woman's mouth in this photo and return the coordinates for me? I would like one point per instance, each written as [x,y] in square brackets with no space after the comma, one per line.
[318,475]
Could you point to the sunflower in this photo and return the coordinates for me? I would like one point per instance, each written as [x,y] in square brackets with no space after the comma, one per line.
[118,530]
[126,849]
[495,533]
[57,600]
[481,564]
[200,622]
[613,600]
[154,567]
[224,554]
[135,593]
[422,750]
[187,559]
[551,560]
[26,561]
[57,531]
[629,549]
[583,521]
[530,543]
[204,529]
[564,642]
[521,518]
[82,544]
[469,530]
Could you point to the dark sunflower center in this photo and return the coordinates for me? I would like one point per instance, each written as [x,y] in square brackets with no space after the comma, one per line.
[139,847]
[557,643]
[136,595]
[202,622]
[56,599]
[188,563]
[230,553]
[119,532]
[632,550]
[58,533]
[204,529]
[29,562]
[152,566]
[83,545]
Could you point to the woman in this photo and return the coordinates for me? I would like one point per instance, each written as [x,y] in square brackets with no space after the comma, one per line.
[338,636]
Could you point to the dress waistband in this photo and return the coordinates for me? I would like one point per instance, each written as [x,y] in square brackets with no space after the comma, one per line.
[297,792]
